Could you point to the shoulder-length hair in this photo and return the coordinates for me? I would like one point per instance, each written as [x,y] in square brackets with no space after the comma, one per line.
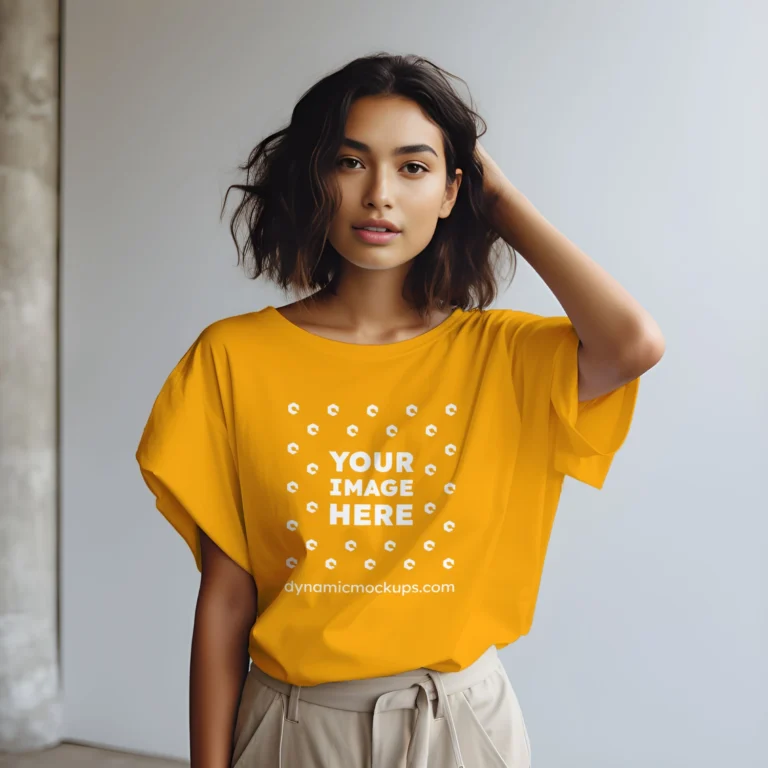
[290,196]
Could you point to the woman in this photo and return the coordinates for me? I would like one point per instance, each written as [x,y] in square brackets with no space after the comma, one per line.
[368,476]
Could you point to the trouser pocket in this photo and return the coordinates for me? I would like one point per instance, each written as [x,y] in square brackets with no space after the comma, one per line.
[258,727]
[496,713]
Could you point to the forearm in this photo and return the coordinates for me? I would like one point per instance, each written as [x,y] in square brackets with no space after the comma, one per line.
[219,664]
[608,321]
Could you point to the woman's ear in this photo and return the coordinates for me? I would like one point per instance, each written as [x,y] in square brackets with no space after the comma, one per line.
[451,193]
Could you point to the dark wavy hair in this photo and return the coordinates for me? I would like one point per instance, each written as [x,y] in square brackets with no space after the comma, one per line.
[290,196]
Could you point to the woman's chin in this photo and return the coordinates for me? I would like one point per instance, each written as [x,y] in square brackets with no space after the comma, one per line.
[375,259]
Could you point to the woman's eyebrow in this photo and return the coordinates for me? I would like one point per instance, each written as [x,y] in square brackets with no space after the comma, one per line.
[409,149]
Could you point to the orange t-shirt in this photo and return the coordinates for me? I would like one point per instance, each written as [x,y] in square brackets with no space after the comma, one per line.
[392,502]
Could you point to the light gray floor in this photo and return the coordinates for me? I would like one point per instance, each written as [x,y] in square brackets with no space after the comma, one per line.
[77,756]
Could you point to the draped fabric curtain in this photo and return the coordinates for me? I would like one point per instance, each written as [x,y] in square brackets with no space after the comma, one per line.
[30,709]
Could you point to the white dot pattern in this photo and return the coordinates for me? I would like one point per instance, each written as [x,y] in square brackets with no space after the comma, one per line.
[391,430]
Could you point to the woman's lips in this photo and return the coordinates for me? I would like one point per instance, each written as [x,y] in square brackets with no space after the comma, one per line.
[375,238]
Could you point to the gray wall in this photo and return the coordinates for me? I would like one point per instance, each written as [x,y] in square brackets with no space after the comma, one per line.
[639,130]
[30,706]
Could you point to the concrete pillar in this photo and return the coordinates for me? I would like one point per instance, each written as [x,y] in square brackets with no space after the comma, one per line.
[30,712]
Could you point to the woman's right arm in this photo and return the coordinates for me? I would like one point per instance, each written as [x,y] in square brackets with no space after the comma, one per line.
[226,611]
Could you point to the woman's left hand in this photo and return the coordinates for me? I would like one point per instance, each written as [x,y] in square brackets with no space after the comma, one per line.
[493,177]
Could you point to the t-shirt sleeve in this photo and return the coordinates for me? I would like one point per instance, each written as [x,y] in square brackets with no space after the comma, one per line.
[187,457]
[582,437]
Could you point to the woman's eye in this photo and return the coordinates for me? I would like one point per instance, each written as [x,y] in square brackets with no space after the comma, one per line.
[407,165]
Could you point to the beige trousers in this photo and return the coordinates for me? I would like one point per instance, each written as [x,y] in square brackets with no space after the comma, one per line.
[416,719]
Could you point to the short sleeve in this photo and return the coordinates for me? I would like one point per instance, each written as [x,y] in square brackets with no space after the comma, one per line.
[186,456]
[582,437]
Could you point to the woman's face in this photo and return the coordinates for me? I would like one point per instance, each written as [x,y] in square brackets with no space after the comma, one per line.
[407,188]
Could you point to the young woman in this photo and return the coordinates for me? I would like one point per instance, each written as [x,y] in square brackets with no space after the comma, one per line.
[368,476]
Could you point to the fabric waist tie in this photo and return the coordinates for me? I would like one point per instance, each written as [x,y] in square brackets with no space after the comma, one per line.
[408,690]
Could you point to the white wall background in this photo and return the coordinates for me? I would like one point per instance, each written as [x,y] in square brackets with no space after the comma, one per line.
[638,128]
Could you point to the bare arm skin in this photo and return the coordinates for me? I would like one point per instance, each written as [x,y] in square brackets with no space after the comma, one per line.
[226,611]
[619,340]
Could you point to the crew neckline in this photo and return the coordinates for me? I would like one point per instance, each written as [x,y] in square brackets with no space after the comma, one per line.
[368,351]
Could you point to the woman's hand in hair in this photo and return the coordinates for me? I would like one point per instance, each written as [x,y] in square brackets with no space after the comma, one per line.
[493,177]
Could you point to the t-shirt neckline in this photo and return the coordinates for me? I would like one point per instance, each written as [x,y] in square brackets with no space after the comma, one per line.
[367,351]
